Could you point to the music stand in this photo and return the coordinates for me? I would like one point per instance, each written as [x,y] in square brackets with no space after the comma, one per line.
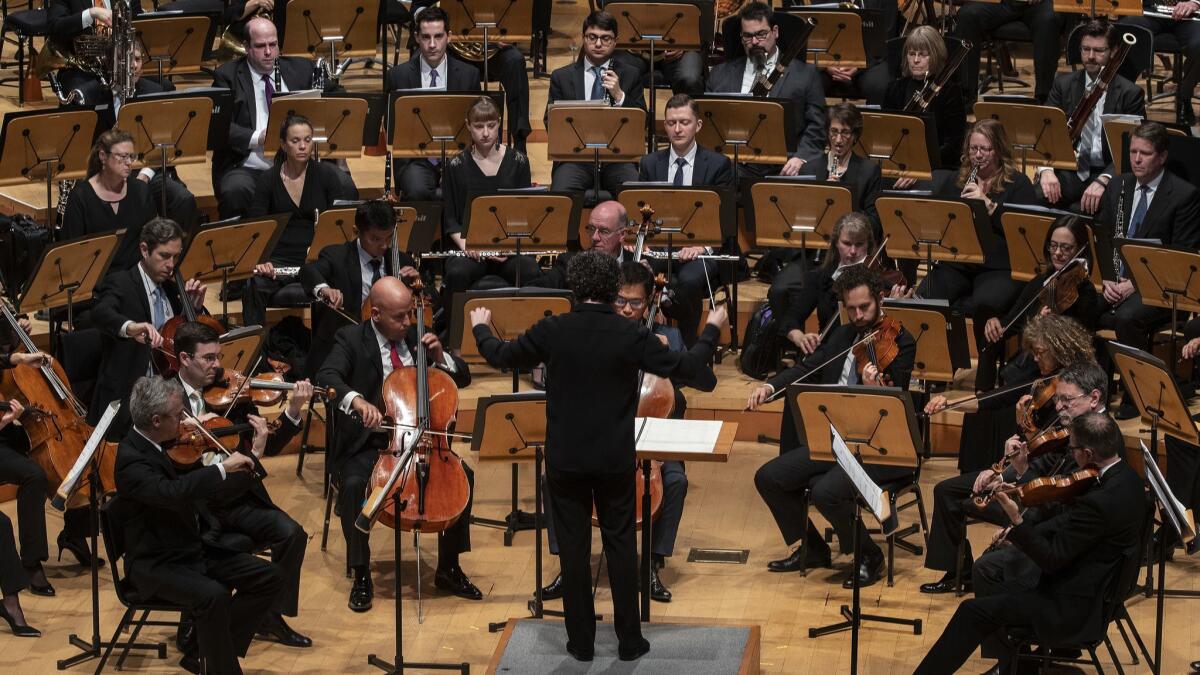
[1025,227]
[499,222]
[1111,8]
[858,426]
[949,229]
[229,251]
[735,124]
[168,132]
[337,123]
[240,348]
[333,226]
[509,20]
[312,24]
[581,131]
[837,36]
[174,45]
[650,26]
[69,272]
[900,143]
[1040,129]
[429,124]
[49,146]
[781,208]
[1165,276]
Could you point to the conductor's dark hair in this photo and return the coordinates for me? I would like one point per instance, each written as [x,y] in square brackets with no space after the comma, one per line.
[159,231]
[757,11]
[1155,134]
[601,20]
[858,275]
[595,276]
[1087,375]
[1097,432]
[375,214]
[636,274]
[1100,28]
[432,15]
[1078,229]
[193,334]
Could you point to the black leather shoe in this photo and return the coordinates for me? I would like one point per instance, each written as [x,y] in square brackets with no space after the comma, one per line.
[1195,666]
[579,654]
[24,630]
[946,584]
[361,593]
[456,582]
[275,629]
[637,652]
[190,664]
[553,590]
[658,590]
[868,572]
[77,548]
[43,589]
[793,563]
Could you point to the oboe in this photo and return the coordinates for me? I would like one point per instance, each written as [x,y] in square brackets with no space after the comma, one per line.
[834,168]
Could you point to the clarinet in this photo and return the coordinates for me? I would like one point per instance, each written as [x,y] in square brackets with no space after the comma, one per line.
[607,96]
[277,76]
[1118,227]
[834,170]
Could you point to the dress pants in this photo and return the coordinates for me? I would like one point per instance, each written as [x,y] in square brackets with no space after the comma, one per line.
[270,527]
[1005,570]
[235,189]
[352,490]
[1183,472]
[416,179]
[578,177]
[572,497]
[973,289]
[13,577]
[1187,33]
[1133,321]
[979,621]
[263,292]
[868,83]
[685,74]
[1071,187]
[180,204]
[951,502]
[225,623]
[18,469]
[689,289]
[976,21]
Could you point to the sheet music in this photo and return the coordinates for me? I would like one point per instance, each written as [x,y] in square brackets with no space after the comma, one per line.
[1181,519]
[665,435]
[85,457]
[872,493]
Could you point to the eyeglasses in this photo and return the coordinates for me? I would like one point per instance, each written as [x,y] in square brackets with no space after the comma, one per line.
[979,150]
[1059,399]
[602,231]
[626,302]
[841,133]
[1055,246]
[756,37]
[123,156]
[602,38]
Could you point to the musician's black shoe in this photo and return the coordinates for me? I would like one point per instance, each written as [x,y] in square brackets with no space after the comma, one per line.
[77,548]
[946,584]
[658,590]
[1195,666]
[634,653]
[1125,411]
[868,571]
[801,558]
[1184,113]
[275,629]
[38,583]
[191,664]
[185,637]
[553,590]
[579,654]
[456,582]
[361,593]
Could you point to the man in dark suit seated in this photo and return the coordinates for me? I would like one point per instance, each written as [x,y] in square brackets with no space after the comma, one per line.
[132,306]
[976,21]
[781,482]
[342,275]
[1078,554]
[70,19]
[801,84]
[357,367]
[596,76]
[1085,186]
[166,556]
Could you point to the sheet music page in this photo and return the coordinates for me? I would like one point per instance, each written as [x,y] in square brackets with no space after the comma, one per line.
[1177,512]
[871,492]
[85,456]
[664,435]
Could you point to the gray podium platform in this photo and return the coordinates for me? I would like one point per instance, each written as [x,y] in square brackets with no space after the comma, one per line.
[540,646]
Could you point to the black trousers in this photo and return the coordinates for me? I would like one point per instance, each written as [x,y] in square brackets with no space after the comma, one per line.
[572,496]
[976,21]
[225,623]
[1183,472]
[685,74]
[1071,187]
[1187,33]
[180,202]
[689,289]
[952,501]
[18,469]
[13,577]
[973,289]
[578,177]
[1003,571]
[354,476]
[979,621]
[1134,321]
[416,179]
[235,189]
[270,527]
[869,83]
[263,292]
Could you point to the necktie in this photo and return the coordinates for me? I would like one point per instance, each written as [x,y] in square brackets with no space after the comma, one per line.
[1087,141]
[680,162]
[395,356]
[269,88]
[433,83]
[159,315]
[197,403]
[1139,213]
[376,270]
[597,84]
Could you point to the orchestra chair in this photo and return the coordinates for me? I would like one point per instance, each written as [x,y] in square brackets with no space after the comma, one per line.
[394,17]
[996,45]
[1166,46]
[113,514]
[26,24]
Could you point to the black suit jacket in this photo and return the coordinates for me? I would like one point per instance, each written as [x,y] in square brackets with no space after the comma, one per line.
[1123,97]
[296,73]
[460,76]
[354,365]
[65,18]
[1173,216]
[592,358]
[802,84]
[566,83]
[862,175]
[899,371]
[712,168]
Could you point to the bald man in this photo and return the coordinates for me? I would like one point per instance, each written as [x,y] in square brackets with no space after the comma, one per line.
[361,359]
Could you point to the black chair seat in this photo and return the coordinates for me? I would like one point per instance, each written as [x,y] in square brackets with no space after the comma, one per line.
[28,22]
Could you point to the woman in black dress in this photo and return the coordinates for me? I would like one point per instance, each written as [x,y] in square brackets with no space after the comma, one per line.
[924,57]
[111,199]
[299,186]
[486,166]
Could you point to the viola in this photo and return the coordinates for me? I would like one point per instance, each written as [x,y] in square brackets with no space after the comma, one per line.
[1064,291]
[216,434]
[891,277]
[231,388]
[1049,489]
[165,360]
[881,349]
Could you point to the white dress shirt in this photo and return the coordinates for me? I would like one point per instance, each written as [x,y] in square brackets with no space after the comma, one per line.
[365,273]
[87,14]
[589,78]
[257,158]
[158,447]
[442,73]
[149,286]
[751,72]
[688,168]
[385,357]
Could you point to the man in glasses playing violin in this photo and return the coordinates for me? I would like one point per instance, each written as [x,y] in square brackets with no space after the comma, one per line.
[782,482]
[246,517]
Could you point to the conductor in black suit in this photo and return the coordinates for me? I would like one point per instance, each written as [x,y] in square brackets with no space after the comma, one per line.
[782,481]
[1079,553]
[592,358]
[596,76]
[1085,185]
[357,367]
[161,514]
[800,83]
[430,69]
[342,275]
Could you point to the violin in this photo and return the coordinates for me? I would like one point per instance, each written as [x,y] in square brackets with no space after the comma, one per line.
[165,360]
[1041,394]
[880,350]
[891,277]
[216,434]
[1064,291]
[1049,489]
[231,388]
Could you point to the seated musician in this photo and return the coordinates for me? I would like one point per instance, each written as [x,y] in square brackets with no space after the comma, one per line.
[238,14]
[800,83]
[14,577]
[924,59]
[161,514]
[1147,202]
[357,367]
[871,82]
[989,174]
[1184,479]
[1085,186]
[486,166]
[342,275]
[633,302]
[109,199]
[1066,240]
[68,20]
[682,69]
[1081,389]
[604,79]
[782,482]
[1077,556]
[300,186]
[1178,19]
[977,19]
[241,505]
[132,306]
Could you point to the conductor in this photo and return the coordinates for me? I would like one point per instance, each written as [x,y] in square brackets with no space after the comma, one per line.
[592,358]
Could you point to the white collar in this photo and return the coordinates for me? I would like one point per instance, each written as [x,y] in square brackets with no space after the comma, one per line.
[1105,469]
[690,155]
[588,65]
[147,282]
[364,258]
[1153,184]
[156,445]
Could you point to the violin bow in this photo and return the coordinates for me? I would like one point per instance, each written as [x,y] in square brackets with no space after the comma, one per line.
[1045,285]
[242,387]
[991,394]
[779,392]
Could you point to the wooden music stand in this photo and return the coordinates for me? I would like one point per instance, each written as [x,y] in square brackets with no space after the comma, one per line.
[230,252]
[1165,276]
[783,208]
[694,214]
[173,45]
[429,125]
[513,312]
[337,123]
[1040,129]
[333,226]
[582,131]
[509,21]
[736,125]
[503,221]
[1110,8]
[836,39]
[240,348]
[313,24]
[68,273]
[168,132]
[899,143]
[48,146]
[1117,130]
[948,229]
[1025,229]
[1155,393]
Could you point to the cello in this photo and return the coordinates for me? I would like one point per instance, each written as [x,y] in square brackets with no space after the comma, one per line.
[165,359]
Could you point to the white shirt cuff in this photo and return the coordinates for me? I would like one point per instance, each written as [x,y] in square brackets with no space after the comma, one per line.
[317,289]
[293,420]
[124,332]
[221,468]
[344,406]
[448,362]
[620,102]
[256,141]
[148,173]
[87,18]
